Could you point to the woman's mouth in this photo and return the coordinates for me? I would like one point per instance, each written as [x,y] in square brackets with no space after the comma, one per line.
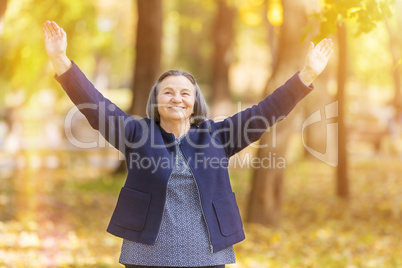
[177,107]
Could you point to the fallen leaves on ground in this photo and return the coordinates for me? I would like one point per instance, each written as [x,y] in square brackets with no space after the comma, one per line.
[65,225]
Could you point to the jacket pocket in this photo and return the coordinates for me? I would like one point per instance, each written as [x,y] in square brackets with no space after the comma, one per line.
[228,215]
[131,209]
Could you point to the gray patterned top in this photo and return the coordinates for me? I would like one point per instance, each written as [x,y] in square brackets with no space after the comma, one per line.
[183,238]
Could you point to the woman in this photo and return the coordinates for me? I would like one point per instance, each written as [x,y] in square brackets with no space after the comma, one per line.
[177,208]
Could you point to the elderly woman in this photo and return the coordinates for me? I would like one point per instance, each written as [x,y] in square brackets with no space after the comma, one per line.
[177,208]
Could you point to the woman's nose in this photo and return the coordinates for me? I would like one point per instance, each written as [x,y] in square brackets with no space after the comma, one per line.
[176,98]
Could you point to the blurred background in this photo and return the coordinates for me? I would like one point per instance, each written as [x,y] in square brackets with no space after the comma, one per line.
[330,194]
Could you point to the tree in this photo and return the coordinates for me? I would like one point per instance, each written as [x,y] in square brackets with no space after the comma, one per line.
[395,42]
[266,194]
[3,7]
[334,16]
[342,186]
[223,34]
[148,53]
[148,58]
[264,204]
[193,46]
[25,67]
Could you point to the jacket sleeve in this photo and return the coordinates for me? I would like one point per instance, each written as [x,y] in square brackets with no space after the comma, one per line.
[240,130]
[117,127]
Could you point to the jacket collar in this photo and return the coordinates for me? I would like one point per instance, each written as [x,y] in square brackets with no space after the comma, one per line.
[170,136]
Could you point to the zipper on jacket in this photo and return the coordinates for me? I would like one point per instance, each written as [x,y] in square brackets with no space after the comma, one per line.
[164,202]
[199,196]
[164,205]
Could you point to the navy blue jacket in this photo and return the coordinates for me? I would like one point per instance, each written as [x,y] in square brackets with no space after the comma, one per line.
[150,154]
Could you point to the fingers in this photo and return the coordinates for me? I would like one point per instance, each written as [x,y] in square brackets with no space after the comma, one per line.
[62,32]
[321,44]
[45,33]
[54,26]
[47,30]
[52,29]
[328,47]
[325,47]
[310,48]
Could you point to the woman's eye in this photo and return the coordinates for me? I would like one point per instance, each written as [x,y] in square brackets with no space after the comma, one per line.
[168,92]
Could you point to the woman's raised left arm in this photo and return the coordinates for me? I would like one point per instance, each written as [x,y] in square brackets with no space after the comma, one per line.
[316,60]
[240,130]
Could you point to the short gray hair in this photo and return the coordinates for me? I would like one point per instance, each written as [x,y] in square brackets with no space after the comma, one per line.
[200,106]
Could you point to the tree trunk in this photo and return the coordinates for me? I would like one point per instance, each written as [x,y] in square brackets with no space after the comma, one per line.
[3,7]
[223,36]
[148,57]
[148,53]
[394,44]
[264,205]
[342,186]
[194,41]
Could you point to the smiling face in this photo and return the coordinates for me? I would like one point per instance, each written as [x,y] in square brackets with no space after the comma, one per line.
[176,97]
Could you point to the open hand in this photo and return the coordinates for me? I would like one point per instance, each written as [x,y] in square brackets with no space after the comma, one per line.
[318,56]
[316,60]
[55,39]
[56,46]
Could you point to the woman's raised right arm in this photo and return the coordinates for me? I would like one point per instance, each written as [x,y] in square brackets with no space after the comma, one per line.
[115,125]
[56,47]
